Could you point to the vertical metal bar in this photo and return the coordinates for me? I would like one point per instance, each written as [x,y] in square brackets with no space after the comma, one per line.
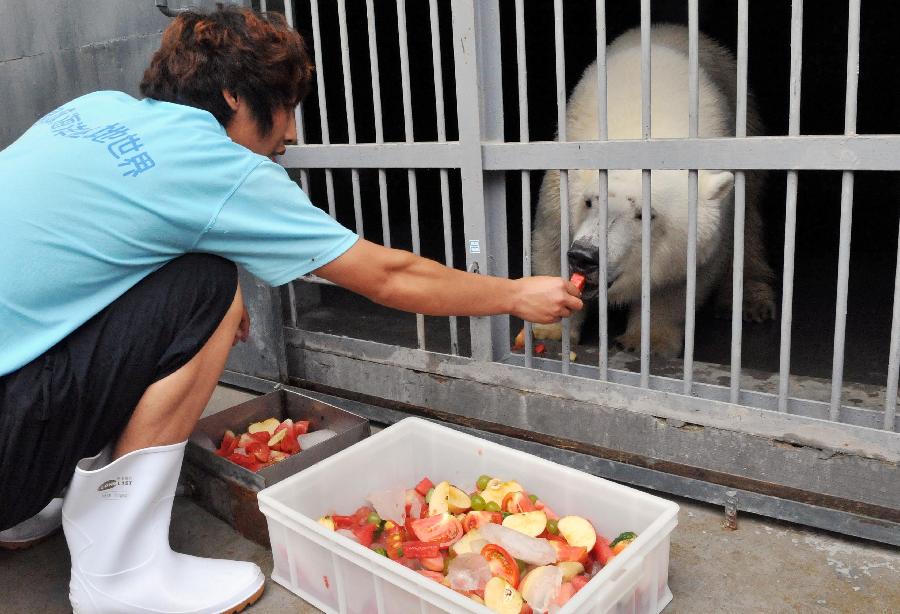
[262,5]
[442,137]
[522,67]
[563,173]
[298,111]
[469,111]
[379,121]
[840,314]
[740,131]
[790,224]
[890,393]
[693,132]
[323,107]
[603,204]
[410,173]
[646,209]
[348,105]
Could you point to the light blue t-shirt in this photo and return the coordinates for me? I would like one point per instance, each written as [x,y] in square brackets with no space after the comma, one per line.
[106,189]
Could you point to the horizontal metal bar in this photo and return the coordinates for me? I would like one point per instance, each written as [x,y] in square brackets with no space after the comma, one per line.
[756,503]
[856,153]
[374,155]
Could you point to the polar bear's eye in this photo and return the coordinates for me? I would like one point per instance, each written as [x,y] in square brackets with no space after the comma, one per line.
[588,203]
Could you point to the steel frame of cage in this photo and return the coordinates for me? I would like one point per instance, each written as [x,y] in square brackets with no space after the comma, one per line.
[515,390]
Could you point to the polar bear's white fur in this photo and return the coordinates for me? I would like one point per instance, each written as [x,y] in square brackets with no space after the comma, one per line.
[669,192]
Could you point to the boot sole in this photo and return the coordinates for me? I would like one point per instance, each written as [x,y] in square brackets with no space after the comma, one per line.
[247,602]
[24,545]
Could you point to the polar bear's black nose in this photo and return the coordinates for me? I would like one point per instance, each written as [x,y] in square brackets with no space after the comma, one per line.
[584,257]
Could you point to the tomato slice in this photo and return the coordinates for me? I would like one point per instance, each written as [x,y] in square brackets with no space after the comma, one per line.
[424,486]
[501,563]
[444,529]
[516,503]
[475,520]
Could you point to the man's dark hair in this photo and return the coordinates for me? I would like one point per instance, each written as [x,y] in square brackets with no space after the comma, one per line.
[257,58]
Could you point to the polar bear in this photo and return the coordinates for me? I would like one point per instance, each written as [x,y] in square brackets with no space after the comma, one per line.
[669,195]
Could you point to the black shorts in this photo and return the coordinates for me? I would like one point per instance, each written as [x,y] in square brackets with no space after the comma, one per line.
[78,396]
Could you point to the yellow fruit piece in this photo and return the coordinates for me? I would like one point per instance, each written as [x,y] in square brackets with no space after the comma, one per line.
[476,598]
[439,502]
[268,426]
[457,500]
[464,545]
[621,545]
[573,356]
[501,597]
[497,489]
[570,569]
[277,437]
[277,457]
[529,523]
[577,531]
[327,522]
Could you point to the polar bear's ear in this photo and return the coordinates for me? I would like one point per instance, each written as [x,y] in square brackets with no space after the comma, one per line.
[716,185]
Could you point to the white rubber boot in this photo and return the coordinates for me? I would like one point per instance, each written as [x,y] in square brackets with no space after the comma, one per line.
[116,520]
[29,532]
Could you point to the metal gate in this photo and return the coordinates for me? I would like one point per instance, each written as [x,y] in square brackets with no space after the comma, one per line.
[818,461]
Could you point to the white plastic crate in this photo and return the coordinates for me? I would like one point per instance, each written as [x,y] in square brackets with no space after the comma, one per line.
[336,574]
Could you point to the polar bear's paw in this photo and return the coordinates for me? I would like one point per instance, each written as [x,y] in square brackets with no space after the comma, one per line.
[548,332]
[759,302]
[665,341]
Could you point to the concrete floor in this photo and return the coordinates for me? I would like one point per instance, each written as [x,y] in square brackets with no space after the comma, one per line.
[763,567]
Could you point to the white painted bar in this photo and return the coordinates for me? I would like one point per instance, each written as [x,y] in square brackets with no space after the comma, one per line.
[740,193]
[693,132]
[410,174]
[564,239]
[840,314]
[442,138]
[348,106]
[379,120]
[893,378]
[790,224]
[646,205]
[602,135]
[323,106]
[522,72]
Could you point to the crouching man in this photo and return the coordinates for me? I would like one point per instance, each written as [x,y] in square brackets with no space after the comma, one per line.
[122,223]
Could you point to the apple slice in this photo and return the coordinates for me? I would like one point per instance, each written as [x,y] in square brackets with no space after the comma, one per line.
[276,456]
[501,597]
[269,425]
[540,586]
[439,503]
[457,500]
[327,522]
[467,543]
[531,524]
[577,531]
[497,489]
[275,440]
[570,569]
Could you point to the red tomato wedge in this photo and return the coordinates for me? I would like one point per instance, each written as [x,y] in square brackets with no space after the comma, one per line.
[421,550]
[424,486]
[516,503]
[501,563]
[578,279]
[475,520]
[444,529]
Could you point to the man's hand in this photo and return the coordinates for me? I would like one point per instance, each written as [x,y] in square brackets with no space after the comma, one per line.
[544,300]
[243,331]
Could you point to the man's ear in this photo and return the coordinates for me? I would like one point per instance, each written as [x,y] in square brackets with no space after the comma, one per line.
[231,100]
[715,185]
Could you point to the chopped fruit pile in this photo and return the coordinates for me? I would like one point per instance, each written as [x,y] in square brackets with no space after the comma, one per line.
[498,545]
[265,443]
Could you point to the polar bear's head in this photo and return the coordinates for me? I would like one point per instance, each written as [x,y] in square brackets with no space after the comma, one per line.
[669,224]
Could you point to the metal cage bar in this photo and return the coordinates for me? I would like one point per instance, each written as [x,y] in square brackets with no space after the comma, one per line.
[890,401]
[603,197]
[790,223]
[558,39]
[693,132]
[442,138]
[379,120]
[740,194]
[323,106]
[408,130]
[843,276]
[348,106]
[646,204]
[522,75]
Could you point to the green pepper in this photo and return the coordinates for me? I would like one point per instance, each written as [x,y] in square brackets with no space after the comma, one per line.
[482,481]
[380,551]
[626,536]
[374,518]
[505,515]
[533,498]
[477,503]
